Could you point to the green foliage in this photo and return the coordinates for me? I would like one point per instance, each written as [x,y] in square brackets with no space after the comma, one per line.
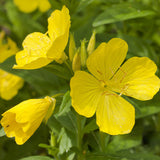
[69,136]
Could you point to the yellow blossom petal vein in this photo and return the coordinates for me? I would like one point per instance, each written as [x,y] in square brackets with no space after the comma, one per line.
[41,49]
[98,93]
[23,120]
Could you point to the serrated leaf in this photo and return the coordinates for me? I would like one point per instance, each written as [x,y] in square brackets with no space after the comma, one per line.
[64,141]
[121,12]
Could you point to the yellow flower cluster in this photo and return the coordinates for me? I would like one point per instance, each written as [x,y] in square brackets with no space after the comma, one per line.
[98,92]
[31,5]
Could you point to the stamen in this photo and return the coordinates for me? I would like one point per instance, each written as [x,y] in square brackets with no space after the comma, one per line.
[99,72]
[124,89]
[125,74]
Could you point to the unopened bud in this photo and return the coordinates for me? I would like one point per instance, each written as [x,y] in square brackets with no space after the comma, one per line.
[92,42]
[62,59]
[83,53]
[53,140]
[72,47]
[76,64]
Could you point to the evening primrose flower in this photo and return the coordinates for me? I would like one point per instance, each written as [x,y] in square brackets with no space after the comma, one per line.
[9,85]
[41,49]
[98,93]
[6,49]
[23,120]
[31,5]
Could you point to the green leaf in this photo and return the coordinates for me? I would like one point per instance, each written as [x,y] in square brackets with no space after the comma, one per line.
[59,70]
[91,126]
[2,133]
[140,47]
[45,82]
[121,12]
[66,104]
[68,120]
[37,158]
[22,24]
[147,110]
[65,142]
[122,142]
[126,155]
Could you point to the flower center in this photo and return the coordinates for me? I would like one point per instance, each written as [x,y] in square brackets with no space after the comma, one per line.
[103,84]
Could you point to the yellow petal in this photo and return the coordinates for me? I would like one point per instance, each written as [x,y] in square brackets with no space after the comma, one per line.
[44,5]
[85,93]
[9,85]
[107,58]
[58,23]
[24,61]
[115,115]
[7,50]
[22,120]
[136,78]
[37,44]
[26,5]
[33,56]
[58,30]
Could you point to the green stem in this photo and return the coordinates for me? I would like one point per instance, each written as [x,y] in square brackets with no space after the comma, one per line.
[102,141]
[79,137]
[68,66]
[57,95]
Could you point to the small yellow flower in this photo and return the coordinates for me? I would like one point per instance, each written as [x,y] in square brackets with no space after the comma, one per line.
[6,49]
[98,93]
[41,49]
[31,5]
[9,85]
[22,120]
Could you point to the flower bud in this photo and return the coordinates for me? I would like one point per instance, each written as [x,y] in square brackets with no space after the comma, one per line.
[72,47]
[91,44]
[83,53]
[76,64]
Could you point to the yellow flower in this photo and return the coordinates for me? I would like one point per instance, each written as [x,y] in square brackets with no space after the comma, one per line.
[98,93]
[9,85]
[22,120]
[41,49]
[6,49]
[31,5]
